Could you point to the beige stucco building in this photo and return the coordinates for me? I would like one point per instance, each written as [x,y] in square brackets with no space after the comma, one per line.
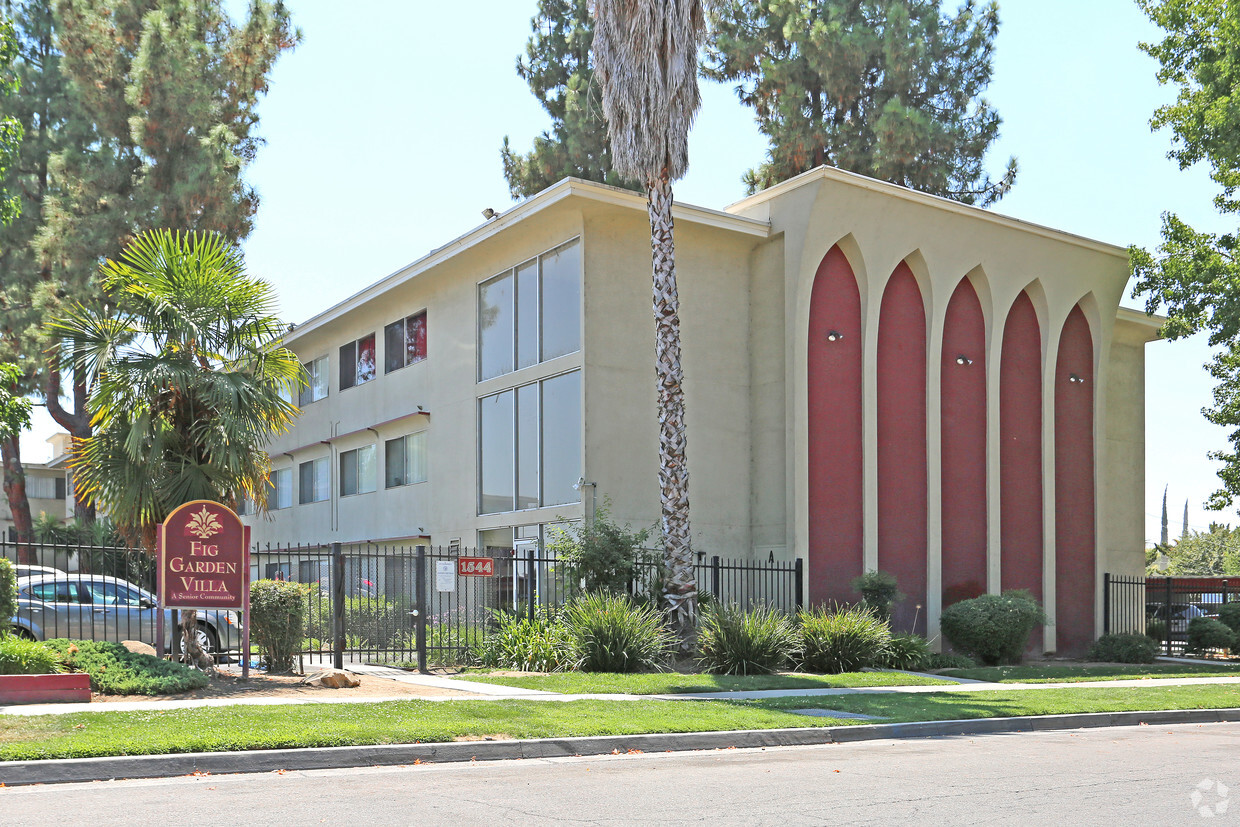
[874,378]
[47,488]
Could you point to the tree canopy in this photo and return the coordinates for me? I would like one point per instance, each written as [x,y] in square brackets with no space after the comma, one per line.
[1194,277]
[1203,554]
[886,88]
[559,69]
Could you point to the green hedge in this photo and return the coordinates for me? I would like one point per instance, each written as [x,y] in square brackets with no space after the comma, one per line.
[1206,633]
[993,628]
[114,670]
[1124,648]
[277,619]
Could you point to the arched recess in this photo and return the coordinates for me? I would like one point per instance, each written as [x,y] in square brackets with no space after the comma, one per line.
[835,460]
[1074,486]
[1020,450]
[902,443]
[962,405]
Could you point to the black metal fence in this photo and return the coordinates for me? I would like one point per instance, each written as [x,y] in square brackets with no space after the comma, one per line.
[365,602]
[1163,607]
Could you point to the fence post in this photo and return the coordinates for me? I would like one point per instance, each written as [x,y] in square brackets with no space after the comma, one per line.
[531,583]
[419,590]
[714,577]
[1106,603]
[799,584]
[1224,584]
[337,607]
[1167,629]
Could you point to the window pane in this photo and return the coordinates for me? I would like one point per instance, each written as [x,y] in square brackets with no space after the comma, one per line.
[527,446]
[320,378]
[561,432]
[527,315]
[322,480]
[415,338]
[561,301]
[496,453]
[348,365]
[365,358]
[394,346]
[495,320]
[306,395]
[367,474]
[394,462]
[284,488]
[348,473]
[305,488]
[416,457]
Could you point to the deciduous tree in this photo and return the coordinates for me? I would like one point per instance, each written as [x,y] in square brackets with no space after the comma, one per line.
[887,88]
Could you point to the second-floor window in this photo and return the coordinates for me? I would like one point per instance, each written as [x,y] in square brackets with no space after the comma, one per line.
[314,484]
[357,471]
[405,460]
[316,381]
[404,342]
[357,362]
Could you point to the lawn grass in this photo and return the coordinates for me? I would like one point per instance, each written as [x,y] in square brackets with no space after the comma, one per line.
[87,734]
[668,683]
[1057,674]
[897,707]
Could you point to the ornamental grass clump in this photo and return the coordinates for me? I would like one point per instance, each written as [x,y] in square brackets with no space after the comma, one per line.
[842,639]
[993,628]
[19,656]
[277,621]
[736,641]
[612,633]
[538,644]
[909,652]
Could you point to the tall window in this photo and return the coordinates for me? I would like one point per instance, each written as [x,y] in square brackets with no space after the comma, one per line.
[280,489]
[529,445]
[316,381]
[405,460]
[404,342]
[357,471]
[314,485]
[357,362]
[531,313]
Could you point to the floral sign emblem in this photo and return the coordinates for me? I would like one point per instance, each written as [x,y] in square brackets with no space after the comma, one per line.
[204,524]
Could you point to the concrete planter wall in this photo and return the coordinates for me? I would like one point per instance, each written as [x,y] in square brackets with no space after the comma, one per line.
[27,689]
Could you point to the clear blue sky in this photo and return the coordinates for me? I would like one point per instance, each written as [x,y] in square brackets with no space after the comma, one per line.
[383,131]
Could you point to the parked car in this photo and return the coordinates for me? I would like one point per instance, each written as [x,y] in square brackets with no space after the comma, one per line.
[21,570]
[1181,614]
[99,607]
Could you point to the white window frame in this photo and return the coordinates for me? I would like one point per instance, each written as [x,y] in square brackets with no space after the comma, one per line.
[315,369]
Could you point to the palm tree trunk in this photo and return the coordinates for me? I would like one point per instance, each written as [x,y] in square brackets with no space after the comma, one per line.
[680,586]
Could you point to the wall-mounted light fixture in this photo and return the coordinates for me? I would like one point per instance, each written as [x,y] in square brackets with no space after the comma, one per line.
[1075,379]
[834,336]
[963,360]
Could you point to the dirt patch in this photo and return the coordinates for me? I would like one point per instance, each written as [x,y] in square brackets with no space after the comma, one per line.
[225,684]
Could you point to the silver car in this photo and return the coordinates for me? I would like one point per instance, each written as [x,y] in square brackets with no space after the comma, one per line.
[99,607]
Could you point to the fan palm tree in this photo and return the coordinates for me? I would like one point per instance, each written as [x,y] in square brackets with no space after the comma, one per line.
[189,381]
[645,58]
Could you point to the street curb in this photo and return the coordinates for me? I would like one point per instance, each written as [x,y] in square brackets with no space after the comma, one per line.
[67,770]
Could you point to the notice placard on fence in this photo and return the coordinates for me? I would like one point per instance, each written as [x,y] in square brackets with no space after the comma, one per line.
[445,576]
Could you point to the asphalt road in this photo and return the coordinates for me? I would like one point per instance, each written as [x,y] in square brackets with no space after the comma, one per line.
[1124,776]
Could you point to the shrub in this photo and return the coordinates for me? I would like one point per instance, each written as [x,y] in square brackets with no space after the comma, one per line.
[1156,630]
[19,656]
[517,642]
[878,592]
[8,597]
[605,556]
[277,617]
[114,670]
[735,641]
[945,660]
[840,639]
[1205,633]
[612,633]
[993,628]
[907,652]
[1124,648]
[1229,616]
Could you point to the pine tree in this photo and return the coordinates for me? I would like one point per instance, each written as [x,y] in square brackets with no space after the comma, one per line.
[886,88]
[559,70]
[139,114]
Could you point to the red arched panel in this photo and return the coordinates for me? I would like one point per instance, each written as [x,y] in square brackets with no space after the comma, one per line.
[902,444]
[962,404]
[1074,486]
[835,495]
[1020,450]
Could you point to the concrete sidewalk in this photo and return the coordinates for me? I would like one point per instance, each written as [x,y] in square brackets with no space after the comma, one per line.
[485,691]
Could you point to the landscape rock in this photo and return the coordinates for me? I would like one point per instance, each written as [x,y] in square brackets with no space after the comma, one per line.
[138,647]
[332,679]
